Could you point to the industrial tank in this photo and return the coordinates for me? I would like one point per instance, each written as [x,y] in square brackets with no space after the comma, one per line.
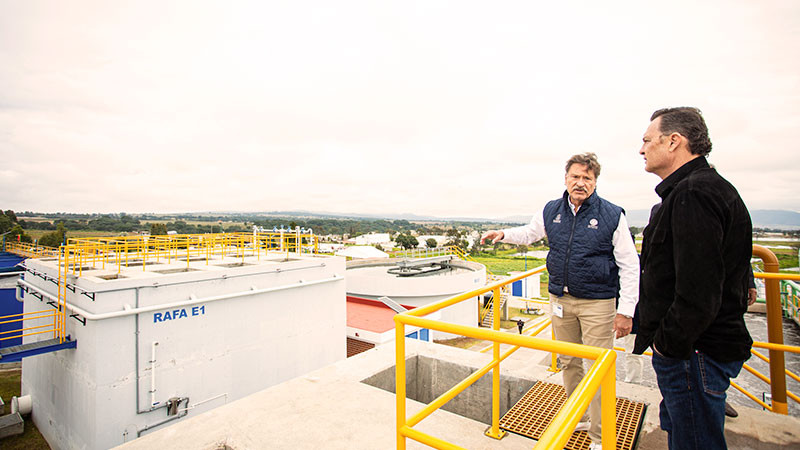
[161,339]
[418,282]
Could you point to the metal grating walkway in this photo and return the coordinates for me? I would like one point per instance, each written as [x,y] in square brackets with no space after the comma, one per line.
[531,415]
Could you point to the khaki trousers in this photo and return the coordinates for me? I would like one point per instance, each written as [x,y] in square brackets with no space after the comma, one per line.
[589,322]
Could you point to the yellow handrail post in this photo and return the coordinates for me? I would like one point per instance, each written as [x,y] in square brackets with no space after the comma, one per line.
[60,278]
[777,366]
[608,410]
[494,431]
[400,381]
[553,356]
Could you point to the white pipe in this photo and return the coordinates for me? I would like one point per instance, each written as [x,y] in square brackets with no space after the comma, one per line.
[127,311]
[153,374]
[22,405]
[205,401]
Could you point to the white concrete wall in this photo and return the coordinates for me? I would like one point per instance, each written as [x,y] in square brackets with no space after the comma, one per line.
[86,397]
[372,238]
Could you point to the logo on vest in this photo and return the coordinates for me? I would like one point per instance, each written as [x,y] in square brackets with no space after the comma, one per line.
[558,219]
[593,224]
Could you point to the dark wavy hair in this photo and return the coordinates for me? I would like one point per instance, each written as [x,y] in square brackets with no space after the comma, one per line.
[587,159]
[689,123]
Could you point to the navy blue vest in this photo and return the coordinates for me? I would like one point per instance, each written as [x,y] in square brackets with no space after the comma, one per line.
[581,253]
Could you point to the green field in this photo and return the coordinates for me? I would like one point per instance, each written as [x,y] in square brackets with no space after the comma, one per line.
[30,439]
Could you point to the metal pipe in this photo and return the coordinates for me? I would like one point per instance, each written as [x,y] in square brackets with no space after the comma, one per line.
[153,373]
[774,275]
[777,365]
[205,401]
[494,431]
[162,422]
[192,301]
[400,382]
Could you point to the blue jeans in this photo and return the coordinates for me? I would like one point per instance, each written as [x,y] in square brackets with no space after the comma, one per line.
[692,409]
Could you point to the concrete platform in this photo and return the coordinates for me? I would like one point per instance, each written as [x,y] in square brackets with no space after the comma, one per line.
[11,425]
[332,408]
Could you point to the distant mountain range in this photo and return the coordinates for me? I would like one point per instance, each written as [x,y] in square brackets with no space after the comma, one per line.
[762,218]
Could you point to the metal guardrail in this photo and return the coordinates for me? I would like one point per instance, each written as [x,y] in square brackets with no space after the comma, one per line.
[601,374]
[126,251]
[457,251]
[776,360]
[790,300]
[31,250]
[49,327]
[123,251]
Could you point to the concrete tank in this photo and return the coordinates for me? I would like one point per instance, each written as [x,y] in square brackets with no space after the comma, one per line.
[177,339]
[372,279]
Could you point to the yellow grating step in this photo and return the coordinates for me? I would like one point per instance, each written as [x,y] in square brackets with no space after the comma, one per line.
[533,413]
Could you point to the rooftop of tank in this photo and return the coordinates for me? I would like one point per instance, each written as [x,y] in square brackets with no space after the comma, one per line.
[152,269]
[380,266]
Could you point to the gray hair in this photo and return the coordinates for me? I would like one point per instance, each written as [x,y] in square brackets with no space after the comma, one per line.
[587,159]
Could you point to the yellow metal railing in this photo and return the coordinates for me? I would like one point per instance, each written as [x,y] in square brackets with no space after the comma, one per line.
[600,376]
[49,327]
[125,251]
[457,251]
[790,300]
[30,250]
[490,277]
[776,360]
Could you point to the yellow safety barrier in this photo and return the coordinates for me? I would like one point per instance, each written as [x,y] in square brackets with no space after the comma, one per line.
[124,251]
[30,250]
[601,374]
[23,332]
[777,365]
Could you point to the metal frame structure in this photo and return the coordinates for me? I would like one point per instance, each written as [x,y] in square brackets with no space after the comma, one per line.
[129,251]
[601,374]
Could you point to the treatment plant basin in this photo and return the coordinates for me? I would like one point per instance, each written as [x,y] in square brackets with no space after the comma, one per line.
[418,282]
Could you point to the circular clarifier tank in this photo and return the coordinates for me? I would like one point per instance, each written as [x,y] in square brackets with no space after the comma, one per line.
[418,282]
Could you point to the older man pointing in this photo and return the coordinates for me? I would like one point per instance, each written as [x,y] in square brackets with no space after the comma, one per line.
[592,258]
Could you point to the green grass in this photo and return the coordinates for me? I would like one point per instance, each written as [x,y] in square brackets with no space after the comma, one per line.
[501,265]
[31,439]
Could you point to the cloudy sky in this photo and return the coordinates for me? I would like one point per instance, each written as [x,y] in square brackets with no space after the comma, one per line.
[445,108]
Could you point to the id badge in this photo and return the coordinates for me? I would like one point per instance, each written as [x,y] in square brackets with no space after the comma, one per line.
[558,310]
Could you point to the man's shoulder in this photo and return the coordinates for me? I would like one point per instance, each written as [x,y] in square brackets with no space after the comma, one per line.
[610,205]
[555,203]
[706,182]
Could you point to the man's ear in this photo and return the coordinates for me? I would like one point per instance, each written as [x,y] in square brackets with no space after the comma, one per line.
[675,140]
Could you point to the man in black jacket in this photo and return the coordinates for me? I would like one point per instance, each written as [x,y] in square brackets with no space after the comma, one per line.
[694,280]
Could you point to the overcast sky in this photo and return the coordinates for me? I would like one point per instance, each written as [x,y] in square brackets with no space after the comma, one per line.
[445,108]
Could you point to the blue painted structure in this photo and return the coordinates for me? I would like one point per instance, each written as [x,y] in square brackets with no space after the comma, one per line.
[9,261]
[8,301]
[516,288]
[422,334]
[8,306]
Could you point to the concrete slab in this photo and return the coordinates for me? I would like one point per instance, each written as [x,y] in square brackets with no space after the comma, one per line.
[329,408]
[332,408]
[11,425]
